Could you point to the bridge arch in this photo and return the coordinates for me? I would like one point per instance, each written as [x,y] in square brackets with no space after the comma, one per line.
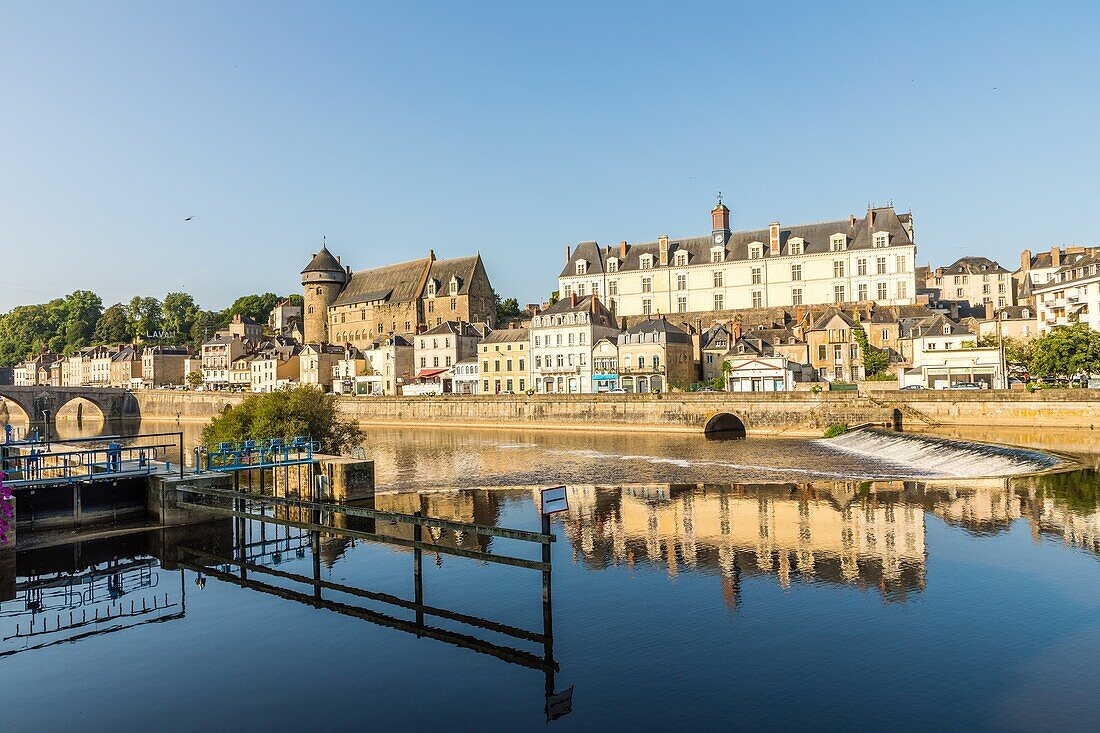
[79,408]
[724,425]
[112,403]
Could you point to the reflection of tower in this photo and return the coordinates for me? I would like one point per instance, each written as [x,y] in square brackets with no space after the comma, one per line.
[322,281]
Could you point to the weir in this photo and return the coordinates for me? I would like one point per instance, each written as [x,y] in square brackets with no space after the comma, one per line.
[943,456]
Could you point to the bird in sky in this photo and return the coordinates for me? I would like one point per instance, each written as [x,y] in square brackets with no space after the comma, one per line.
[189,218]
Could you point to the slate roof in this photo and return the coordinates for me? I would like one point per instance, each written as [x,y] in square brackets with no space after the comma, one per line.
[451,328]
[503,335]
[822,321]
[816,240]
[671,333]
[461,267]
[323,261]
[1086,267]
[602,317]
[399,283]
[971,266]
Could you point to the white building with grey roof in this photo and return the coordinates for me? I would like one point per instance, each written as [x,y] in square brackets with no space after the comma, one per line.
[561,344]
[868,259]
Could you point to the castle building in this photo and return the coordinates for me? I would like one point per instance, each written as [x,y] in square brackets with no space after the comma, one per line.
[865,259]
[359,308]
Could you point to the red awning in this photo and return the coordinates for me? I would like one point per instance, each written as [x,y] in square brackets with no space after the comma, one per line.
[429,373]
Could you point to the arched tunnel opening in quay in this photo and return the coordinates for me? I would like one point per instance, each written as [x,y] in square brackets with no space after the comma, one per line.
[724,425]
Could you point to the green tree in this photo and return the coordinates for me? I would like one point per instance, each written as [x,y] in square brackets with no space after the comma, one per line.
[875,361]
[194,379]
[304,410]
[1066,351]
[145,315]
[179,313]
[256,307]
[507,308]
[83,309]
[1017,352]
[113,326]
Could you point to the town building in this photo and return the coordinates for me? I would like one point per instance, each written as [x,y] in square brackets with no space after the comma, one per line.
[869,258]
[162,366]
[316,362]
[447,344]
[561,343]
[605,364]
[240,373]
[945,354]
[835,354]
[286,320]
[760,374]
[1039,268]
[390,363]
[504,361]
[465,378]
[275,366]
[975,280]
[126,367]
[97,369]
[655,355]
[1072,295]
[347,372]
[1019,322]
[357,308]
[218,354]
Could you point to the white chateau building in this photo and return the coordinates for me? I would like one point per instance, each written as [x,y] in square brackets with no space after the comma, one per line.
[866,259]
[562,337]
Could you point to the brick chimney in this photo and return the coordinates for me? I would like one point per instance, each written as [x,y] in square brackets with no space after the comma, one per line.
[622,250]
[773,238]
[1025,260]
[662,246]
[568,256]
[1055,257]
[736,332]
[572,299]
[870,216]
[989,311]
[851,221]
[594,303]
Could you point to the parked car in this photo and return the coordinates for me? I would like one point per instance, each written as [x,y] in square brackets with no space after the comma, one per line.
[965,386]
[909,387]
[617,391]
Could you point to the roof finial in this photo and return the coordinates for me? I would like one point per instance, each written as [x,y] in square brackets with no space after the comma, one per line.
[719,198]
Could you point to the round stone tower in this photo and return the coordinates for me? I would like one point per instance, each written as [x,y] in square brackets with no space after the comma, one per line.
[322,281]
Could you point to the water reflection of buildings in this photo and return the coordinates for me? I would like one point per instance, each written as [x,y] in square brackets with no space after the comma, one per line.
[830,532]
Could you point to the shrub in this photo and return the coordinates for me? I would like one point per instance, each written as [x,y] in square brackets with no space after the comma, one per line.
[284,414]
[836,429]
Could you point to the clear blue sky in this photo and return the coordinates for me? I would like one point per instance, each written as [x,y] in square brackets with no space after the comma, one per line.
[517,128]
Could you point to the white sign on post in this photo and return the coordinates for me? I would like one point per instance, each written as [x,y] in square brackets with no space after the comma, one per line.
[554,500]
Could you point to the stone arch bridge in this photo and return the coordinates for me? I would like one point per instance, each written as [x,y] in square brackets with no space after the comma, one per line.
[115,403]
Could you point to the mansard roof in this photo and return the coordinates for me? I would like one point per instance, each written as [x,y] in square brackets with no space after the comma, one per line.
[462,268]
[323,261]
[399,283]
[671,333]
[972,266]
[502,335]
[816,239]
[601,315]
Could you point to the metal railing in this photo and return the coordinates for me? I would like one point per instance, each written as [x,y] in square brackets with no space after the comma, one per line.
[32,463]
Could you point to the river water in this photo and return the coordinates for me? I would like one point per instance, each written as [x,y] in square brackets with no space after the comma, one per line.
[757,584]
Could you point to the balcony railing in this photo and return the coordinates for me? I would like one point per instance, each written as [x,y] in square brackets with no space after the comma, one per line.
[559,370]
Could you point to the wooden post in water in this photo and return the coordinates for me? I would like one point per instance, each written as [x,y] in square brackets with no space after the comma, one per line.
[418,569]
[547,612]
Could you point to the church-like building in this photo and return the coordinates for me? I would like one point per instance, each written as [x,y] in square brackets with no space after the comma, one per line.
[359,308]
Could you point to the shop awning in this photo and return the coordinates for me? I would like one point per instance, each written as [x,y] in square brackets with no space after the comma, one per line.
[429,373]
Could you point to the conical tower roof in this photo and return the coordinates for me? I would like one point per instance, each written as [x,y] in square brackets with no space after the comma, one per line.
[323,261]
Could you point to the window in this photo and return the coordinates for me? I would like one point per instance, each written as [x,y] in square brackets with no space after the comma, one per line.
[454,303]
[885,335]
[646,262]
[900,261]
[757,299]
[431,288]
[647,285]
[853,352]
[448,362]
[566,291]
[656,361]
[861,291]
[719,302]
[581,290]
[902,290]
[882,291]
[881,239]
[838,243]
[647,306]
[756,276]
[838,268]
[681,259]
[931,345]
[838,293]
[612,265]
[822,355]
[521,365]
[838,354]
[612,287]
[496,365]
[641,362]
[538,363]
[755,252]
[796,296]
[861,266]
[716,255]
[796,272]
[880,265]
[718,279]
[582,268]
[454,286]
[681,282]
[1000,302]
[959,293]
[581,338]
[681,304]
[946,329]
[795,246]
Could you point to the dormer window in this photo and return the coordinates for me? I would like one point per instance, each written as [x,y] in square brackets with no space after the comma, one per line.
[431,288]
[756,250]
[454,286]
[717,254]
[838,242]
[646,262]
[946,329]
[796,245]
[582,268]
[881,239]
[613,265]
[1025,313]
[681,259]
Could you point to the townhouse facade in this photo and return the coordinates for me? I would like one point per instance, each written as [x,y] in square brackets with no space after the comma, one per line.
[561,344]
[654,355]
[504,363]
[447,344]
[217,356]
[976,280]
[870,258]
[1072,295]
